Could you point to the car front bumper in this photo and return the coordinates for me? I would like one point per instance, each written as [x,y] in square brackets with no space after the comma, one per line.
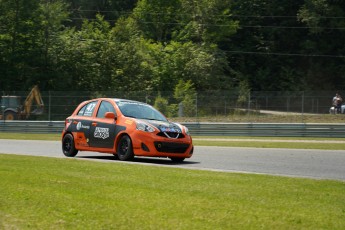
[150,144]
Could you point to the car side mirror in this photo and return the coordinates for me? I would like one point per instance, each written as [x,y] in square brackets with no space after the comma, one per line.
[110,115]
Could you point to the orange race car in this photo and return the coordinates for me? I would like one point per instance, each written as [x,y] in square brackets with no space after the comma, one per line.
[126,129]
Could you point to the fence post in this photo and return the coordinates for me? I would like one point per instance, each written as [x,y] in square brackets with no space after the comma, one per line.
[266,102]
[196,105]
[302,106]
[248,102]
[49,106]
[225,106]
[302,102]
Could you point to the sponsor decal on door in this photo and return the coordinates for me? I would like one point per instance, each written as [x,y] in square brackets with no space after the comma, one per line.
[101,133]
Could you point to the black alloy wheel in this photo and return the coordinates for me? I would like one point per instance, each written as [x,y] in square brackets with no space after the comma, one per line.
[68,147]
[125,149]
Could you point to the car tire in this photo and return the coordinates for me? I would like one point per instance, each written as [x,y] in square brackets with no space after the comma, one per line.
[10,115]
[177,159]
[125,149]
[68,147]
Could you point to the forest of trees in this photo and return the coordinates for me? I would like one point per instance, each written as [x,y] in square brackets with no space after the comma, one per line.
[156,45]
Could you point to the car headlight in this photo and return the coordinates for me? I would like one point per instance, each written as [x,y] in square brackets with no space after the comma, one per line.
[144,127]
[186,130]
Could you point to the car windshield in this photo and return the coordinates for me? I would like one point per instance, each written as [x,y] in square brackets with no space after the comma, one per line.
[139,110]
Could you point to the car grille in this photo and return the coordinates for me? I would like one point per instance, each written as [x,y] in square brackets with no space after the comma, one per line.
[171,135]
[168,147]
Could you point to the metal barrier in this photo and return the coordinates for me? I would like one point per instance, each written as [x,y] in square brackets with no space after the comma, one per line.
[205,128]
[31,126]
[267,129]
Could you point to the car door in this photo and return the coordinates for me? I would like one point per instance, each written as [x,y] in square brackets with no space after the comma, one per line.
[102,130]
[81,123]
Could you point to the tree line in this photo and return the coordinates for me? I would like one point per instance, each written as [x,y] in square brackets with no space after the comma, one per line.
[164,45]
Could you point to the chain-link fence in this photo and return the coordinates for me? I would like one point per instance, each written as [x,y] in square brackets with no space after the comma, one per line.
[212,104]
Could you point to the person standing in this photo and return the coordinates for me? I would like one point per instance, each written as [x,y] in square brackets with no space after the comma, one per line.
[336,102]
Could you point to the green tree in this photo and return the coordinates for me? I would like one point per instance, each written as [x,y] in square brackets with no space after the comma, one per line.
[158,66]
[207,21]
[81,57]
[29,32]
[111,10]
[52,15]
[157,18]
[162,105]
[204,65]
[165,25]
[185,94]
[17,41]
[324,19]
[263,51]
[135,65]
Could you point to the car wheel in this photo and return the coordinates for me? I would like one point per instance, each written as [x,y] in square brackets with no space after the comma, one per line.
[68,147]
[177,159]
[125,149]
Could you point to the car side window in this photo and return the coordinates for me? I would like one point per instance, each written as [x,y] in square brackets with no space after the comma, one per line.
[105,107]
[81,111]
[87,109]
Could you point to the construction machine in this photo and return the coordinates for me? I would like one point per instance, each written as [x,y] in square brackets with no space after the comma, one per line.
[13,108]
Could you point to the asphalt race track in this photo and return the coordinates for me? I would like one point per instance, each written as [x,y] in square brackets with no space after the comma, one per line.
[318,164]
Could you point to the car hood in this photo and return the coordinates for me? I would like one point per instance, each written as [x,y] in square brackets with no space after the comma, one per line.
[165,126]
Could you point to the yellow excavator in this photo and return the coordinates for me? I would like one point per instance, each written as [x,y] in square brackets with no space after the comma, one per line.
[13,109]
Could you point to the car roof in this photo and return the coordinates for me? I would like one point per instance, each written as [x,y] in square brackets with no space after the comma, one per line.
[126,100]
[122,100]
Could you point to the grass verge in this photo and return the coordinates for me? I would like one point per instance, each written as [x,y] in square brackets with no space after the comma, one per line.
[255,142]
[30,136]
[49,193]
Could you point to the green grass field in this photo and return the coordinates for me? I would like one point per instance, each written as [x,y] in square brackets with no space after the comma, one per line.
[254,144]
[31,136]
[50,193]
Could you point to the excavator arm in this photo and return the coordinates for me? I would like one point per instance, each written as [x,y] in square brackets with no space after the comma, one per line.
[34,95]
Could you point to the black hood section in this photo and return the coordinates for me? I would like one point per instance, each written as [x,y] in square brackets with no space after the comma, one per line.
[165,126]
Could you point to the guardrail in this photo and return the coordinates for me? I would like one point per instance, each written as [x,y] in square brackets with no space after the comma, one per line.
[31,126]
[205,128]
[267,129]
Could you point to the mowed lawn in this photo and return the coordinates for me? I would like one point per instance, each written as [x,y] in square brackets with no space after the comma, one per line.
[52,193]
[226,141]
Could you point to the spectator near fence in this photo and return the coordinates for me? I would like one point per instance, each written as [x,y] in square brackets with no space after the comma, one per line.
[336,102]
